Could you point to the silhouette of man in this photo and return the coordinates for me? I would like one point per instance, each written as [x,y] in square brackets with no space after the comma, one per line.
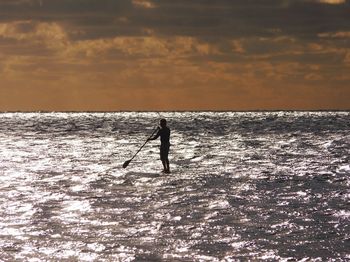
[164,134]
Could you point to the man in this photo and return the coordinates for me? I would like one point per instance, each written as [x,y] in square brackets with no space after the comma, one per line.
[164,134]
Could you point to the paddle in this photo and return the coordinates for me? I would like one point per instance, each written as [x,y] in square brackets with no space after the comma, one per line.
[126,163]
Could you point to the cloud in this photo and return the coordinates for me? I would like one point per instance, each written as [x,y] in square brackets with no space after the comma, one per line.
[335,35]
[53,36]
[50,35]
[143,4]
[148,47]
[333,2]
[222,18]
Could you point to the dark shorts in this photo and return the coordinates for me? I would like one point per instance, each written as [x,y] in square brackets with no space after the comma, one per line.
[164,152]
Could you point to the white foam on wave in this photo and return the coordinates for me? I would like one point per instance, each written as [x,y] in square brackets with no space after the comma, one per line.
[345,214]
[219,204]
[76,206]
[11,231]
[123,141]
[79,188]
[343,169]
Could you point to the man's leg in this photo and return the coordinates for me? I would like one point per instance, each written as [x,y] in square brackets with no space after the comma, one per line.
[164,165]
[167,165]
[164,151]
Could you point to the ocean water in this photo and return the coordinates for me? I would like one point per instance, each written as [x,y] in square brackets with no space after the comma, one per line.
[244,185]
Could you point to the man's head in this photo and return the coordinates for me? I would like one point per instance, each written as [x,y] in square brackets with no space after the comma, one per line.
[162,122]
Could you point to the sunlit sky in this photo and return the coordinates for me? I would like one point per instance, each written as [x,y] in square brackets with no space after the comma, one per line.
[110,55]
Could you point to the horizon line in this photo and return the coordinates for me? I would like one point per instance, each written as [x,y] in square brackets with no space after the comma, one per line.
[174,111]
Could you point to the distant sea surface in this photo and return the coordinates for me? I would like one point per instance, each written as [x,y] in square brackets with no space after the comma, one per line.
[244,185]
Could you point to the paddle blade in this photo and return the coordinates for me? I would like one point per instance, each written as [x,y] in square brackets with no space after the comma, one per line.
[126,163]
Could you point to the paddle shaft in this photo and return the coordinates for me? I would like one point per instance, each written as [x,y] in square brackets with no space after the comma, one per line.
[143,145]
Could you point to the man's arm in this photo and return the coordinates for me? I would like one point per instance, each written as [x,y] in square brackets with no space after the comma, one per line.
[156,136]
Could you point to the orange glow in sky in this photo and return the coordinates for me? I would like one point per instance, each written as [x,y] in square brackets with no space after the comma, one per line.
[74,55]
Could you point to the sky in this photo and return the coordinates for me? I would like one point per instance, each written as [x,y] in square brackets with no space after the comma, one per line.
[112,55]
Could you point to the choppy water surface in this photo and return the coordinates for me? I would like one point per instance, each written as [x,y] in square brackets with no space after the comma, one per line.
[244,186]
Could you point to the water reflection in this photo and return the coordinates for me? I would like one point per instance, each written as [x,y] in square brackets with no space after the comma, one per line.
[245,186]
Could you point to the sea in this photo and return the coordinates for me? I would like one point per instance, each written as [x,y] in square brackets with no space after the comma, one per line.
[272,186]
